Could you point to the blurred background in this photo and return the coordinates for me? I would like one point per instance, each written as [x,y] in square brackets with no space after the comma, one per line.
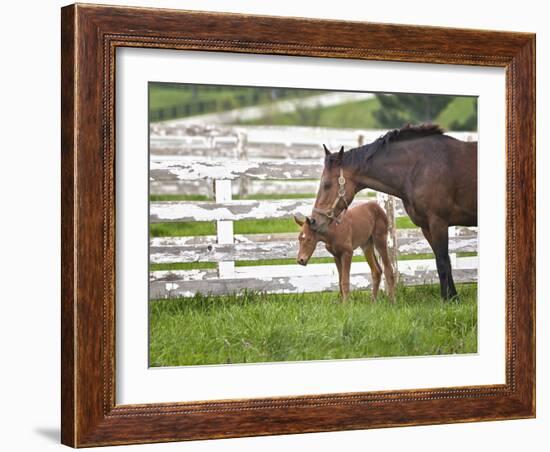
[313,108]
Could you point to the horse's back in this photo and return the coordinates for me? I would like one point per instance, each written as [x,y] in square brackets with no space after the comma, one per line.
[444,182]
[365,218]
[367,209]
[464,184]
[463,157]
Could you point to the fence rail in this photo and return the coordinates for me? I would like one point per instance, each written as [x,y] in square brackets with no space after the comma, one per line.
[205,187]
[182,211]
[175,169]
[252,143]
[295,279]
[283,246]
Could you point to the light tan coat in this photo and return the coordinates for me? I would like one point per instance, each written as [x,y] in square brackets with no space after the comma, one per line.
[364,226]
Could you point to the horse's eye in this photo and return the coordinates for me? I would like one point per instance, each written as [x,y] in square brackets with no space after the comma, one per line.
[327,186]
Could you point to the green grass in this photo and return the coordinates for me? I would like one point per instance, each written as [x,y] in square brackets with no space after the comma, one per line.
[265,328]
[360,115]
[350,115]
[209,227]
[182,229]
[182,266]
[404,223]
[190,99]
[162,95]
[239,227]
[153,198]
[165,95]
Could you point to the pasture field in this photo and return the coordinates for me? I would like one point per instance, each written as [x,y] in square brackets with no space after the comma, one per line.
[255,328]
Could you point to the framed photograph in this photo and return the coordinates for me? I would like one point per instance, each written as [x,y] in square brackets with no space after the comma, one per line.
[282,225]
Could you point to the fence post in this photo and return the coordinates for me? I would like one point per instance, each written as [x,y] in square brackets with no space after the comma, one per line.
[452,256]
[242,154]
[387,202]
[224,229]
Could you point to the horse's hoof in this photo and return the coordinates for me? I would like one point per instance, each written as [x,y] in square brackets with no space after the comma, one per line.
[453,299]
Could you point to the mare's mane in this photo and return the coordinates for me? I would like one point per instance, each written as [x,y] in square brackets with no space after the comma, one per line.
[360,155]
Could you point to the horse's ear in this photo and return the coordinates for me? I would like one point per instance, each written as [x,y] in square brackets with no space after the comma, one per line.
[340,154]
[327,152]
[299,219]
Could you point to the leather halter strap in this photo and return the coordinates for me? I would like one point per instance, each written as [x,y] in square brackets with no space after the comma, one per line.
[341,196]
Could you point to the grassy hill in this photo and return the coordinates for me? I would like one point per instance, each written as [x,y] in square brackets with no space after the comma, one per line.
[170,101]
[359,115]
[173,100]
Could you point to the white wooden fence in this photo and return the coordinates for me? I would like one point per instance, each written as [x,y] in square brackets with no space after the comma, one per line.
[255,143]
[225,248]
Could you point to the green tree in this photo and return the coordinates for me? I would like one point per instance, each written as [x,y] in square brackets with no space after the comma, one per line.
[467,123]
[398,109]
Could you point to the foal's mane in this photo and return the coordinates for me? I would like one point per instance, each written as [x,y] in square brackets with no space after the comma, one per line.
[359,155]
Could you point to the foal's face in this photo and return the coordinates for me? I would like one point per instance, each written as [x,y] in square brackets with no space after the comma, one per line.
[307,239]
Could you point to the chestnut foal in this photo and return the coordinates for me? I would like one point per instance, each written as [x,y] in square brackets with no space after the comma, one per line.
[365,226]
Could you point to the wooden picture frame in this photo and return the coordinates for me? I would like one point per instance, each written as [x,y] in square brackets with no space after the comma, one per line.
[90,36]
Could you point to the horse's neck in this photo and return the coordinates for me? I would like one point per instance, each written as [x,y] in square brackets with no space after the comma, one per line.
[380,185]
[385,173]
[333,235]
[323,238]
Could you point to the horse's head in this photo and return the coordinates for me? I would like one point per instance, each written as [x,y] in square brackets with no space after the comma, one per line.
[336,190]
[308,239]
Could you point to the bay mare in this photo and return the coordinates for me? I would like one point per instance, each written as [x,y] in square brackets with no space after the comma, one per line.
[434,175]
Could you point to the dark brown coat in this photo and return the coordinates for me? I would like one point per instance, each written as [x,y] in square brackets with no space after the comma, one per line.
[433,174]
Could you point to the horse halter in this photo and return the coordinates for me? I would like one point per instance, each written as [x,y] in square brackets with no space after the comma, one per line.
[341,195]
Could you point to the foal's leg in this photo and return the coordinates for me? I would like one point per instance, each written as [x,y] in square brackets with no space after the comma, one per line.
[438,238]
[375,269]
[381,243]
[338,263]
[344,278]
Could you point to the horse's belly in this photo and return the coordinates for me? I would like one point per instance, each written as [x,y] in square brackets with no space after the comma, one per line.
[456,217]
[463,219]
[415,215]
[463,215]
